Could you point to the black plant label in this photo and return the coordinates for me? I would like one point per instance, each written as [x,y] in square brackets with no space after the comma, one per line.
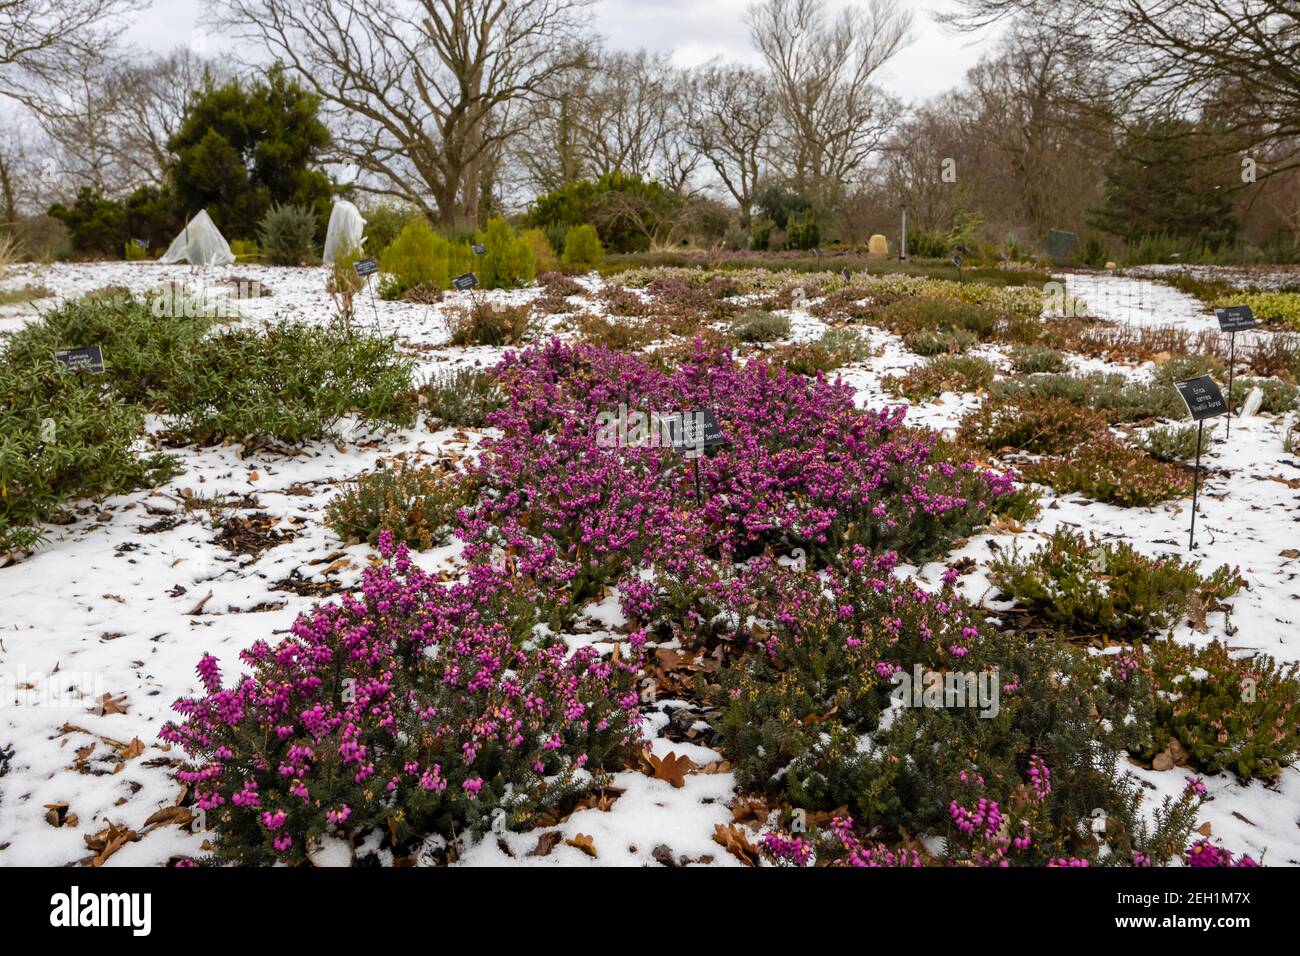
[89,358]
[1235,318]
[1202,397]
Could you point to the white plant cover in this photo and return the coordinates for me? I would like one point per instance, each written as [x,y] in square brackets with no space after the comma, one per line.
[200,243]
[344,230]
[1254,399]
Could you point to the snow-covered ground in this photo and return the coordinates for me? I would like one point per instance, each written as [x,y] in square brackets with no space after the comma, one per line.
[125,600]
[1264,278]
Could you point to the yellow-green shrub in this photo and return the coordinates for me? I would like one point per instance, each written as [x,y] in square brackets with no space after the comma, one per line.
[582,247]
[543,255]
[246,250]
[418,256]
[508,262]
[1268,306]
[461,259]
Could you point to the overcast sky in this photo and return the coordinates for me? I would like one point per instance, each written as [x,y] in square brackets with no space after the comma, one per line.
[691,30]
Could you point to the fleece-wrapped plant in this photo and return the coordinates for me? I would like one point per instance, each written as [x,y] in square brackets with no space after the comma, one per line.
[410,707]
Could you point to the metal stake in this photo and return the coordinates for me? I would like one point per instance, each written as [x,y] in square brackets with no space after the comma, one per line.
[1196,481]
[1232,360]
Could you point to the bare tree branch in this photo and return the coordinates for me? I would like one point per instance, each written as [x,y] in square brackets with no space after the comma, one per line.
[417,90]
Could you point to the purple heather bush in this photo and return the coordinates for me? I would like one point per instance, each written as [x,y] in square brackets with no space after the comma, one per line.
[801,467]
[836,845]
[1205,853]
[407,707]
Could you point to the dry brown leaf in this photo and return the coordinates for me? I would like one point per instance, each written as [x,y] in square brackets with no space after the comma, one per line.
[546,843]
[1007,525]
[736,842]
[108,704]
[1204,829]
[671,768]
[749,809]
[663,854]
[817,719]
[583,843]
[108,841]
[177,815]
[198,608]
[134,749]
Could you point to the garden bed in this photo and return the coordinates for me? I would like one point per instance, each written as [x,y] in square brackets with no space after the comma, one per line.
[238,547]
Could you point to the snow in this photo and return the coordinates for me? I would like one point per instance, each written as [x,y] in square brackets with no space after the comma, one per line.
[106,608]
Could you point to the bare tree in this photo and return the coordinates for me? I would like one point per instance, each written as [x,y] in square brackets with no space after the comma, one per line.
[677,159]
[44,41]
[20,172]
[615,112]
[928,169]
[1039,115]
[730,121]
[626,112]
[548,152]
[109,123]
[417,89]
[1177,56]
[834,117]
[154,97]
[79,127]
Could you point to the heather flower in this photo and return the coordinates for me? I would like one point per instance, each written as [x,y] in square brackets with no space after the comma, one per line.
[1203,853]
[790,851]
[352,695]
[1040,777]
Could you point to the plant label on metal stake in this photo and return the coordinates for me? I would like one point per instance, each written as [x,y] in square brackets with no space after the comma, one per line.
[693,432]
[365,268]
[1233,319]
[1203,400]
